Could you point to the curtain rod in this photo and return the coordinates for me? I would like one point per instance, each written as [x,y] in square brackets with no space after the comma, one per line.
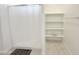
[23,5]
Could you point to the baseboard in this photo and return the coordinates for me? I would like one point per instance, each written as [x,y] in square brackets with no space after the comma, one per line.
[69,51]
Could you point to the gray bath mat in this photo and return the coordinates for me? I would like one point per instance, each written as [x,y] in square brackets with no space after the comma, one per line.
[21,52]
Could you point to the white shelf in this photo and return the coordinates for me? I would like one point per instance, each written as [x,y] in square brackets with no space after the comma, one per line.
[54,21]
[54,13]
[55,29]
[54,39]
[51,36]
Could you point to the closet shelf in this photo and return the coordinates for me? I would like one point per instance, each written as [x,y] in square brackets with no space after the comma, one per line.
[55,29]
[54,21]
[54,13]
[51,36]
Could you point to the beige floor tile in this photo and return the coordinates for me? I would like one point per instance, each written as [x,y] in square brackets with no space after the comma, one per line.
[55,48]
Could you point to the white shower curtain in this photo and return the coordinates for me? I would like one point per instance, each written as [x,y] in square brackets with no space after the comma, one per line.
[25,25]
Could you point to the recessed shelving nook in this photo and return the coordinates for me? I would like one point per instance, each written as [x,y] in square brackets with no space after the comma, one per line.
[54,24]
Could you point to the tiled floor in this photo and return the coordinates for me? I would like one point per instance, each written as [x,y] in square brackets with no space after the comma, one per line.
[36,51]
[55,48]
[52,48]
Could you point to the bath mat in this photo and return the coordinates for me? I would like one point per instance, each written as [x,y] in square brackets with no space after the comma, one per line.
[21,52]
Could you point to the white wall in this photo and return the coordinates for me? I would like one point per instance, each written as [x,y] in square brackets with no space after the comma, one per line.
[72,34]
[69,10]
[71,31]
[25,24]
